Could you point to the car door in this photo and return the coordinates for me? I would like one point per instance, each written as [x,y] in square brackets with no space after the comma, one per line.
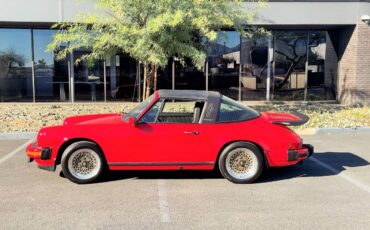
[167,135]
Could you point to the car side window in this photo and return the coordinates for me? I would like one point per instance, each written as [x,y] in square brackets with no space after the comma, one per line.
[231,110]
[151,115]
[181,111]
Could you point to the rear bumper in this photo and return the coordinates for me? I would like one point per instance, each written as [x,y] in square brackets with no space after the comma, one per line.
[42,156]
[310,149]
[301,154]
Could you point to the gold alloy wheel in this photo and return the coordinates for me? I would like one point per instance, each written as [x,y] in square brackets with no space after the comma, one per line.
[84,164]
[241,163]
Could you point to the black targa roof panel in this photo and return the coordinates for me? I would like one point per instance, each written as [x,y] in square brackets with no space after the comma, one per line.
[188,94]
[212,99]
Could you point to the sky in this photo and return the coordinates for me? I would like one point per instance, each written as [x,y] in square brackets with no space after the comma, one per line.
[231,39]
[20,41]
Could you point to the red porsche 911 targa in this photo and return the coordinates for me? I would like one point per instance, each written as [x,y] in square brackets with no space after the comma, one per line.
[173,130]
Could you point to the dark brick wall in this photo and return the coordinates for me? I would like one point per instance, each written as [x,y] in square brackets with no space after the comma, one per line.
[363,64]
[354,65]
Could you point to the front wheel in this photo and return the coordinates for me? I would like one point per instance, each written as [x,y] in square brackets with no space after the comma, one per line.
[241,162]
[82,162]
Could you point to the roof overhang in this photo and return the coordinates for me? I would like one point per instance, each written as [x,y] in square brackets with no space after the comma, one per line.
[312,12]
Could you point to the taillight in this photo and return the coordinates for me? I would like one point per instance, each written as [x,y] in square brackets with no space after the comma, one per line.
[295,146]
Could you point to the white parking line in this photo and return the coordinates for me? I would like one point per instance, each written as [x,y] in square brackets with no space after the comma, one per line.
[15,151]
[348,178]
[163,205]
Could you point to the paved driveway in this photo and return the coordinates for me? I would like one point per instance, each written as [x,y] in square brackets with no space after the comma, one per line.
[329,191]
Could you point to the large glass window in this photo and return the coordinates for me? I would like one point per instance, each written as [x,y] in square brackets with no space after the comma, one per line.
[223,63]
[322,65]
[290,61]
[303,70]
[303,66]
[15,65]
[51,77]
[88,78]
[187,76]
[122,78]
[254,69]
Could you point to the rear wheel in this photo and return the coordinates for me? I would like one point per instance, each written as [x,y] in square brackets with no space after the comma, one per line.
[82,162]
[241,162]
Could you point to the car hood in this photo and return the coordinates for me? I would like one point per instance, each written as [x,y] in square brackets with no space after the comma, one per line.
[113,118]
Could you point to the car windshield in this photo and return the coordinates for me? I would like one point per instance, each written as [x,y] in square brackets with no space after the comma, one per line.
[138,109]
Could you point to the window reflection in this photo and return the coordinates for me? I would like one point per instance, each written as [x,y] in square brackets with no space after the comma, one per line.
[290,58]
[15,65]
[187,76]
[254,67]
[321,80]
[223,63]
[51,76]
[122,78]
[88,78]
[292,51]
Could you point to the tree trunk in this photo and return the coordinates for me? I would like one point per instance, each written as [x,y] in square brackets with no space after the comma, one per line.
[149,82]
[155,77]
[150,79]
[145,79]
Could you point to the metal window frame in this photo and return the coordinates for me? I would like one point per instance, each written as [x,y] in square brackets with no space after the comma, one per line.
[33,67]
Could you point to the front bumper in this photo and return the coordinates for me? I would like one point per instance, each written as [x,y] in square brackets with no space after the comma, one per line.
[40,155]
[301,154]
[37,152]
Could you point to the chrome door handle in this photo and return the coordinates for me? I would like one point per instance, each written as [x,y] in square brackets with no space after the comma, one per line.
[192,132]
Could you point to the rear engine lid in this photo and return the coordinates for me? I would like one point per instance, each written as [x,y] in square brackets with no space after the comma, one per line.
[288,119]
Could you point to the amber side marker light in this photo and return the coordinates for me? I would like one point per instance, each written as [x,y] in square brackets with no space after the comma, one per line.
[33,154]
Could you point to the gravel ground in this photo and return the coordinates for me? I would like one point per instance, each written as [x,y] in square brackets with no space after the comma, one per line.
[31,117]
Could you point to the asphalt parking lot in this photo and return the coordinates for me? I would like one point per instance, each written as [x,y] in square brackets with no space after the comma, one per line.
[329,191]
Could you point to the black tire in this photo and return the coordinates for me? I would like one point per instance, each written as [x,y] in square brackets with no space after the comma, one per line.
[73,149]
[255,155]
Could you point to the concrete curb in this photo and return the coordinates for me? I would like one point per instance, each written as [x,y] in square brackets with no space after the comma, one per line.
[304,132]
[313,131]
[17,135]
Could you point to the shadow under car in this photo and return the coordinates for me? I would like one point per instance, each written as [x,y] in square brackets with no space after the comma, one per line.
[337,161]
